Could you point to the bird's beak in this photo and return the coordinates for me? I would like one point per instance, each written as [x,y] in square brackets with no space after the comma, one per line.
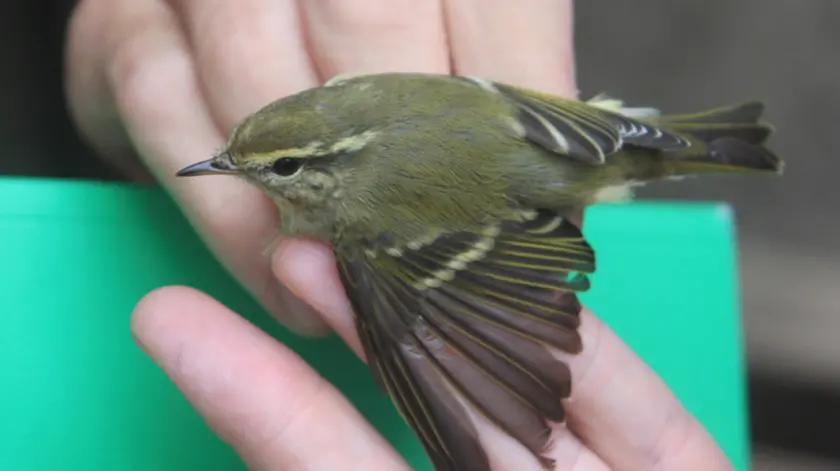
[206,167]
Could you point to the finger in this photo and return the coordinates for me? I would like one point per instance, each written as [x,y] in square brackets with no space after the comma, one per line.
[529,42]
[506,454]
[308,268]
[627,414]
[258,395]
[374,36]
[89,96]
[248,53]
[152,75]
[572,455]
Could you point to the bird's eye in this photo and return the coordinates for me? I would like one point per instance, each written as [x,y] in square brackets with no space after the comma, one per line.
[287,166]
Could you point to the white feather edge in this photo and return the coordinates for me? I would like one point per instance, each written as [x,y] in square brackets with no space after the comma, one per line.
[340,78]
[617,106]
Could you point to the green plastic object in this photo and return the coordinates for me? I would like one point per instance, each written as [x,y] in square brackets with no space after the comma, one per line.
[78,395]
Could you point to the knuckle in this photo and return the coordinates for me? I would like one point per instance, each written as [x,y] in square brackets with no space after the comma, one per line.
[674,437]
[232,32]
[141,73]
[88,37]
[89,10]
[374,14]
[299,421]
[592,331]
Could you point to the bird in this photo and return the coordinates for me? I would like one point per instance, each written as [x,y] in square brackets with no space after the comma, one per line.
[449,202]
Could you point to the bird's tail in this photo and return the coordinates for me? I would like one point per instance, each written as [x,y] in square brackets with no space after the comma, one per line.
[732,138]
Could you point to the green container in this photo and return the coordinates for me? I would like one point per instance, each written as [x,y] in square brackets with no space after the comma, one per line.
[78,395]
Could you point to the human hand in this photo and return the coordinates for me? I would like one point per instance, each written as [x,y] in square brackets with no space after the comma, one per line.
[279,414]
[168,79]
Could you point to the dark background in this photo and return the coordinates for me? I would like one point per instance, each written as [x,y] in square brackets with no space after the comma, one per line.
[679,56]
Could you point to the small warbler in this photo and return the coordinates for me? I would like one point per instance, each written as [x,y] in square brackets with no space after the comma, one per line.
[447,203]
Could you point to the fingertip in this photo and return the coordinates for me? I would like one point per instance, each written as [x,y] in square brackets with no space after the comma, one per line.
[303,261]
[152,317]
[292,312]
[255,393]
[308,269]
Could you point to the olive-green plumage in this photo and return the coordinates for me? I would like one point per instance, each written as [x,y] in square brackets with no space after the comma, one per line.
[447,201]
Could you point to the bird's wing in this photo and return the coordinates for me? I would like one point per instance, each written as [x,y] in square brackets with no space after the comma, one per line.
[465,318]
[577,129]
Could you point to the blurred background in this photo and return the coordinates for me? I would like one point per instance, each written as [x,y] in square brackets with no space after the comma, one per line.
[679,56]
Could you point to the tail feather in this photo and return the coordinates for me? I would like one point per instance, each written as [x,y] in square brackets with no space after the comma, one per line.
[750,133]
[749,112]
[732,138]
[728,155]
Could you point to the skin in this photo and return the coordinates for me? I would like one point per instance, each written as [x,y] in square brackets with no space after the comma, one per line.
[166,81]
